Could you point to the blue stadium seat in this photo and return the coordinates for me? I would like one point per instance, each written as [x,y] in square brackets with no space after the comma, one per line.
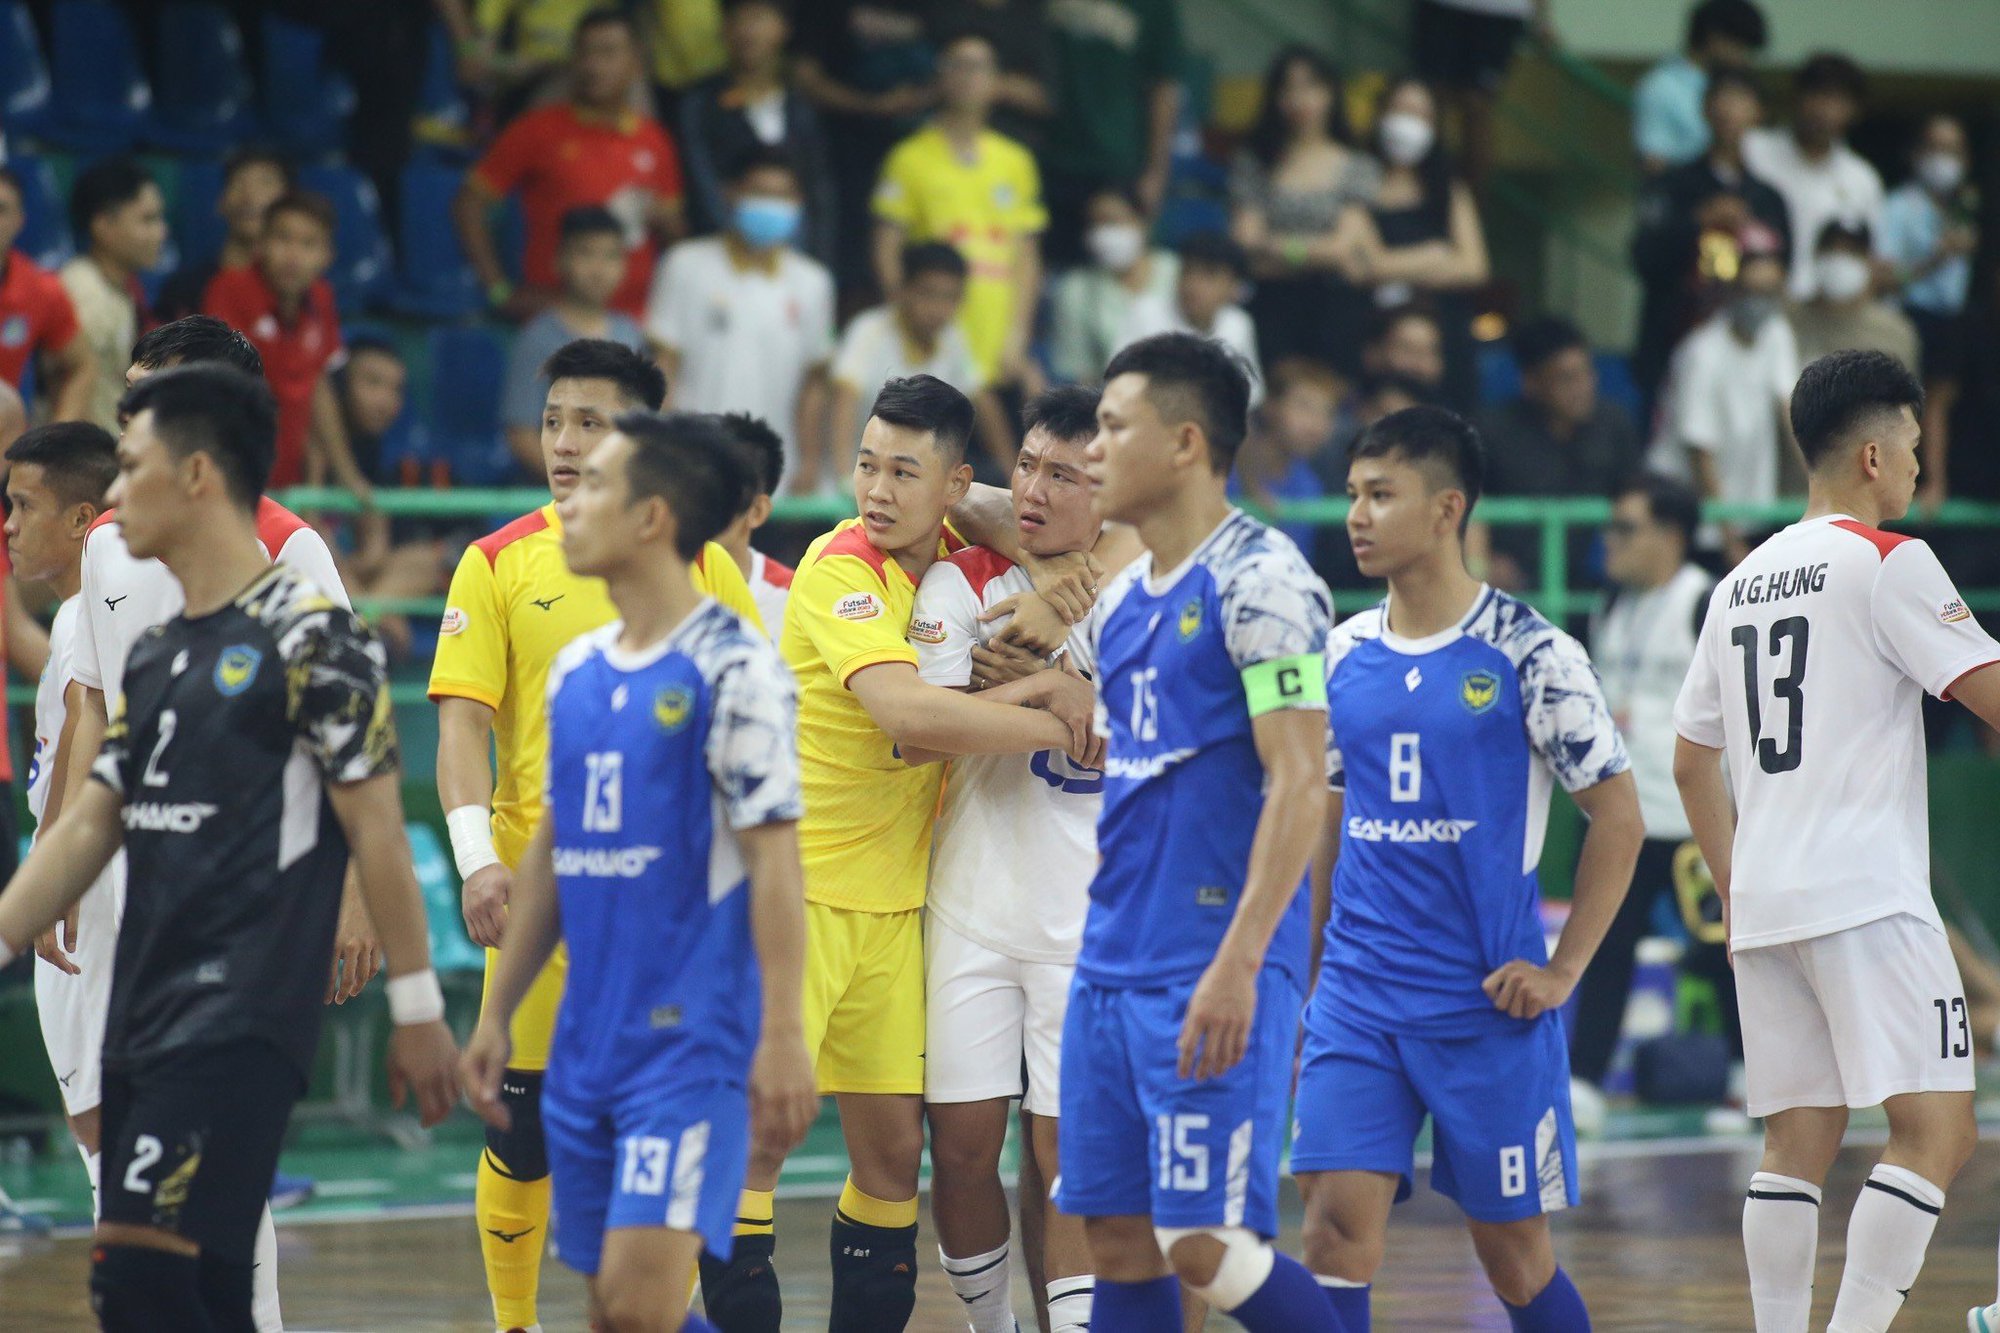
[360,248]
[198,230]
[45,237]
[306,103]
[433,279]
[1616,385]
[24,72]
[441,106]
[204,97]
[1499,375]
[101,98]
[468,366]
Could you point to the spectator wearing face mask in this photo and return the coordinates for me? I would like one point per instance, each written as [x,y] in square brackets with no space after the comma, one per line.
[1090,303]
[1810,164]
[1929,234]
[1206,302]
[1844,312]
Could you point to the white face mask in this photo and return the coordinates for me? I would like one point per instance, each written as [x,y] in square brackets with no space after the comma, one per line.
[1941,172]
[1406,138]
[1116,245]
[1842,277]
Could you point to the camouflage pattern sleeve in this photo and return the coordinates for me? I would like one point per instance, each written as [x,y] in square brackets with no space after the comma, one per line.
[1569,724]
[753,749]
[1273,605]
[337,679]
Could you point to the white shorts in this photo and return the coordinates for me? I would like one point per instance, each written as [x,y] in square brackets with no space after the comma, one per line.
[987,1015]
[72,1008]
[1853,1018]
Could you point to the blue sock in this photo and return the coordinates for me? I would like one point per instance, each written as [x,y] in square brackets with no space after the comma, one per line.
[1136,1307]
[1559,1309]
[1288,1302]
[1349,1302]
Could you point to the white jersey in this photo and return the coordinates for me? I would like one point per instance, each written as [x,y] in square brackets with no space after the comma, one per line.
[1809,675]
[49,711]
[124,596]
[1017,835]
[1642,643]
[770,587]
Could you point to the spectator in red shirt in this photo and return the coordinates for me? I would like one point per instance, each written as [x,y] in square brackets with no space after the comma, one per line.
[283,304]
[590,150]
[36,317]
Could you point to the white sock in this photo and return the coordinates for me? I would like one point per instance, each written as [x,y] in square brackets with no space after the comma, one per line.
[93,1166]
[1069,1304]
[982,1282]
[264,1277]
[1780,1241]
[1886,1237]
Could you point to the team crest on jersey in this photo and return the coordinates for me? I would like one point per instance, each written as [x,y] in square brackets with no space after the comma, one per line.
[236,669]
[1478,691]
[1954,611]
[1190,619]
[858,606]
[453,623]
[672,707]
[926,629]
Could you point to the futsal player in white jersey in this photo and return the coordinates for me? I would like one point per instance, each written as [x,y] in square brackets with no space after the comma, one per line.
[1808,678]
[56,482]
[1015,848]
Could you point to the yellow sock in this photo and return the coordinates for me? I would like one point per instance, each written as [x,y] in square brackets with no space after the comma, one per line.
[872,1212]
[756,1213]
[513,1224]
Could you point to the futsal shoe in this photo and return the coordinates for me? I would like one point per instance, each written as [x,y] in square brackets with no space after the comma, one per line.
[1986,1319]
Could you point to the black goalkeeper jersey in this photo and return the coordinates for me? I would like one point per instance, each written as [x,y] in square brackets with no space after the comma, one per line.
[231,726]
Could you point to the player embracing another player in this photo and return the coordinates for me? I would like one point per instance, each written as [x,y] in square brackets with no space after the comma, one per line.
[1453,710]
[1177,1045]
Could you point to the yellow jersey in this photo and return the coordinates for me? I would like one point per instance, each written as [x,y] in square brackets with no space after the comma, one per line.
[986,209]
[866,837]
[513,606]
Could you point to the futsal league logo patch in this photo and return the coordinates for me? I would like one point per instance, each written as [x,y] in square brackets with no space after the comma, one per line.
[1190,619]
[1478,691]
[926,629]
[672,707]
[236,669]
[858,606]
[1954,611]
[453,623]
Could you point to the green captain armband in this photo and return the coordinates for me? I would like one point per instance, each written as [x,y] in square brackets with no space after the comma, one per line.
[1285,682]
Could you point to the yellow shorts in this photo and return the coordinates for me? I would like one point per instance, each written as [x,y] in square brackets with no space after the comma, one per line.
[864,999]
[534,1027]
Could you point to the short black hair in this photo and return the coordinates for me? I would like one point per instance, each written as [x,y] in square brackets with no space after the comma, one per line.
[195,339]
[1536,340]
[257,155]
[101,188]
[689,460]
[589,220]
[1390,381]
[1668,501]
[1434,439]
[640,382]
[1067,412]
[1831,72]
[1213,249]
[763,157]
[1844,392]
[373,342]
[79,459]
[1384,321]
[1738,20]
[925,402]
[767,448]
[1193,379]
[601,16]
[1731,79]
[315,208]
[1854,231]
[215,410]
[1125,189]
[933,257]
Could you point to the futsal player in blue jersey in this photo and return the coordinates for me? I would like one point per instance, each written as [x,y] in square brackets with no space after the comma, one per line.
[668,862]
[1453,710]
[1177,1047]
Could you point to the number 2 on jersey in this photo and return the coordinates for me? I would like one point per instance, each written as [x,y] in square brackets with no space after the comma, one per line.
[155,776]
[1789,687]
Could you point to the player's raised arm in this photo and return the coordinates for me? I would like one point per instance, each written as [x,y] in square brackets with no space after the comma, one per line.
[534,929]
[60,869]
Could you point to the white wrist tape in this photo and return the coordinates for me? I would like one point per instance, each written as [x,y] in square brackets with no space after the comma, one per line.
[415,997]
[471,830]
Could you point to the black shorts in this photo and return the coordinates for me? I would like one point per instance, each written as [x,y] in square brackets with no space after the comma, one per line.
[191,1142]
[1458,48]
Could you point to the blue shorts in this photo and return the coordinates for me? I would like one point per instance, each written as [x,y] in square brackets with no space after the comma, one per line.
[1140,1141]
[1502,1144]
[670,1158]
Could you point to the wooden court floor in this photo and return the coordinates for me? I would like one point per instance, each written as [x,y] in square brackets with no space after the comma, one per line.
[1654,1247]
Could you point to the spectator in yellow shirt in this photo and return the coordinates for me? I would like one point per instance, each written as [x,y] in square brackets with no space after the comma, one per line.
[956,180]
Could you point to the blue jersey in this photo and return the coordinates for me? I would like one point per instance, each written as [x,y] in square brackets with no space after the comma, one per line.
[655,760]
[1183,785]
[1445,750]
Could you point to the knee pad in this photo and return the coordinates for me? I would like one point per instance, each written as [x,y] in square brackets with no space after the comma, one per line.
[1246,1261]
[874,1277]
[519,1151]
[226,1292]
[136,1289]
[742,1296]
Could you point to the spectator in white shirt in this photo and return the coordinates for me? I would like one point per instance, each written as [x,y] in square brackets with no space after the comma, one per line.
[743,321]
[1091,302]
[1810,164]
[917,333]
[1206,301]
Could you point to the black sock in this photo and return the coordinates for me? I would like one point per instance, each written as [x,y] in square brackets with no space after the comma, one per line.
[742,1296]
[874,1276]
[136,1289]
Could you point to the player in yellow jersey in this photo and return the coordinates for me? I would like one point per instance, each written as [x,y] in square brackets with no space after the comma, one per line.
[514,605]
[865,843]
